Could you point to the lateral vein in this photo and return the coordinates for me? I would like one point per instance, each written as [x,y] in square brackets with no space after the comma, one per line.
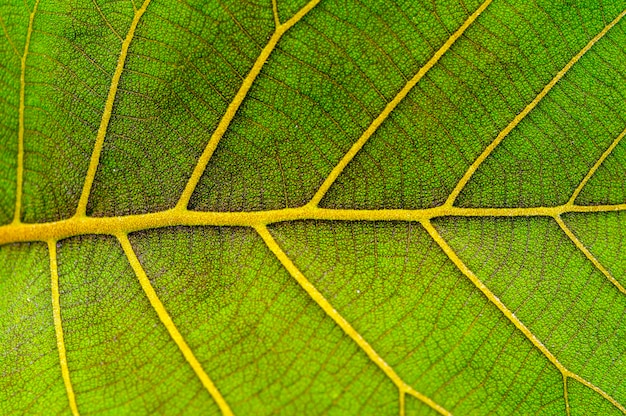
[595,167]
[20,129]
[566,395]
[107,113]
[519,117]
[236,102]
[347,328]
[445,247]
[167,321]
[58,327]
[356,147]
[580,246]
[275,13]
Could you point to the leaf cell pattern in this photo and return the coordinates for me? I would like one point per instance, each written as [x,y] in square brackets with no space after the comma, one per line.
[313,207]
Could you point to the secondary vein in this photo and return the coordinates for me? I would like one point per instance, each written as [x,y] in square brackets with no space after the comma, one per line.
[449,251]
[595,167]
[234,105]
[519,117]
[347,328]
[107,112]
[20,130]
[167,321]
[356,147]
[580,246]
[58,327]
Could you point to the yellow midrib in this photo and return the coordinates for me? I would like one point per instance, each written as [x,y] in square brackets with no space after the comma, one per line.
[74,226]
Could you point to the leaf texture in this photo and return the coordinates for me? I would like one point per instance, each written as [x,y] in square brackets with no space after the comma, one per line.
[323,207]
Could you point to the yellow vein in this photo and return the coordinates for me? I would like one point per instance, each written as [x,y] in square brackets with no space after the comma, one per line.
[107,112]
[510,315]
[595,167]
[58,326]
[588,254]
[312,291]
[169,325]
[20,128]
[356,147]
[597,390]
[13,233]
[518,118]
[236,103]
[566,395]
[275,13]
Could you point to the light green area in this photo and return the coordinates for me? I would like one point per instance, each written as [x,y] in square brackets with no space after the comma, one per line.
[120,357]
[533,267]
[414,407]
[426,320]
[30,375]
[585,402]
[266,345]
[269,348]
[287,8]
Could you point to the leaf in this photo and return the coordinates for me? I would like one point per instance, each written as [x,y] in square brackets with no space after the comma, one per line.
[310,208]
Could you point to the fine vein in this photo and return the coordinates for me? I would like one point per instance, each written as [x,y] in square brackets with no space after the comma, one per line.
[234,105]
[518,118]
[107,112]
[511,316]
[58,326]
[6,34]
[167,321]
[347,328]
[356,147]
[20,128]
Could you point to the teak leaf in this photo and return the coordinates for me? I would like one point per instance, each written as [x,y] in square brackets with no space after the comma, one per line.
[323,207]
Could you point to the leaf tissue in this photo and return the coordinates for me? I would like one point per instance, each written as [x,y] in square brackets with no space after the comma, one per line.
[344,207]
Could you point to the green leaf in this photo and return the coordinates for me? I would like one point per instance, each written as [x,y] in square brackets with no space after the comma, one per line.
[324,207]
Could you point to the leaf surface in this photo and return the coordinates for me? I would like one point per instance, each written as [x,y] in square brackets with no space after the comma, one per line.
[323,207]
